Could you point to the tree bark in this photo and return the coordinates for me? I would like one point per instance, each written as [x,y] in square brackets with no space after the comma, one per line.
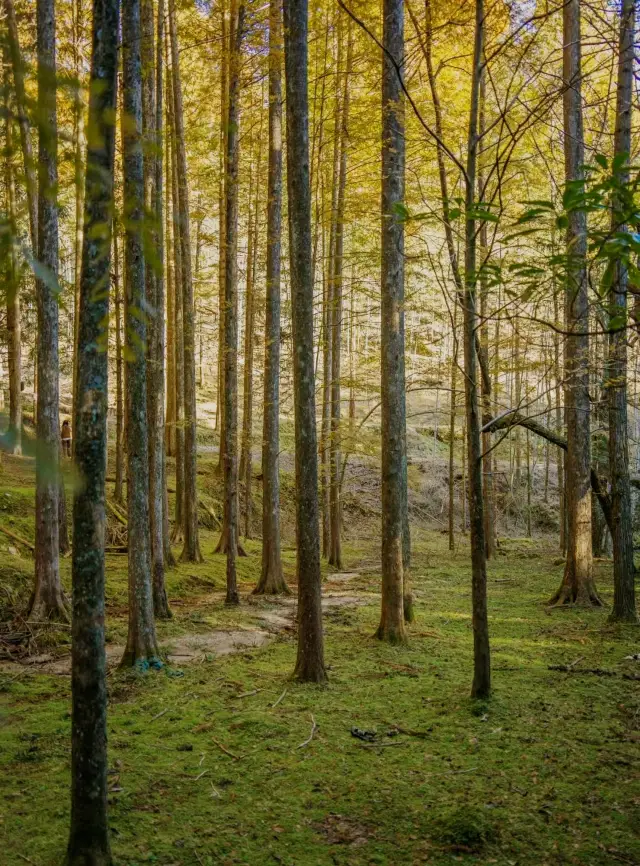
[577,584]
[230,416]
[142,649]
[272,579]
[310,657]
[117,291]
[48,600]
[14,347]
[78,139]
[23,122]
[89,834]
[624,601]
[481,686]
[191,550]
[178,524]
[391,626]
[335,552]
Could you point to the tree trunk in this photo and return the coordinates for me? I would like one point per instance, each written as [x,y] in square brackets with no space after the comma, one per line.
[23,122]
[120,444]
[78,139]
[142,649]
[391,626]
[481,656]
[191,551]
[170,425]
[452,431]
[335,552]
[48,600]
[14,348]
[89,835]
[577,584]
[272,580]
[178,524]
[222,229]
[246,457]
[230,416]
[310,658]
[558,408]
[624,601]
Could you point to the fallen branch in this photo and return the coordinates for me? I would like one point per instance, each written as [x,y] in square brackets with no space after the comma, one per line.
[314,728]
[18,538]
[159,715]
[513,418]
[225,750]
[249,694]
[381,745]
[569,669]
[273,706]
[116,513]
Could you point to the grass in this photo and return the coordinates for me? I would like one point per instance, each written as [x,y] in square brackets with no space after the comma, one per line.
[546,772]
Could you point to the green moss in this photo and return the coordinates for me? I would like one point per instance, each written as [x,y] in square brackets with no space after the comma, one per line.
[543,773]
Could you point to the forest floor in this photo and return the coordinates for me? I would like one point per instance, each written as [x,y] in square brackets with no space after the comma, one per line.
[220,758]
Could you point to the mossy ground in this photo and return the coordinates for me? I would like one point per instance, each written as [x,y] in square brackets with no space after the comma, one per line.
[546,772]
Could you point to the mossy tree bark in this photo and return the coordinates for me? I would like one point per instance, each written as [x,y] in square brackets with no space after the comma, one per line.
[310,665]
[481,686]
[624,601]
[117,292]
[230,415]
[577,585]
[191,550]
[272,579]
[89,835]
[48,599]
[391,626]
[142,649]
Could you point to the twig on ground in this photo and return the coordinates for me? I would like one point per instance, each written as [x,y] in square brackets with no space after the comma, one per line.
[203,773]
[382,745]
[314,728]
[225,750]
[273,706]
[451,773]
[248,694]
[159,715]
[24,543]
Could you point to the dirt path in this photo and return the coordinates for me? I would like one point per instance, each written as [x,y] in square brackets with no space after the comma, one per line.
[266,618]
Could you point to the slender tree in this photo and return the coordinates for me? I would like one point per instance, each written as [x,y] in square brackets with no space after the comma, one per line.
[14,330]
[481,656]
[141,650]
[271,578]
[577,584]
[230,415]
[48,598]
[391,626]
[191,551]
[624,602]
[310,659]
[89,834]
[118,298]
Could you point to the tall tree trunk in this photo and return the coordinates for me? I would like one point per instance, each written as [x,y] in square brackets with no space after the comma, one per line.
[120,444]
[48,600]
[89,834]
[31,181]
[78,139]
[178,524]
[335,552]
[230,416]
[560,458]
[481,657]
[271,578]
[624,601]
[222,229]
[577,584]
[246,456]
[191,551]
[170,426]
[391,626]
[154,276]
[452,430]
[14,348]
[142,649]
[310,658]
